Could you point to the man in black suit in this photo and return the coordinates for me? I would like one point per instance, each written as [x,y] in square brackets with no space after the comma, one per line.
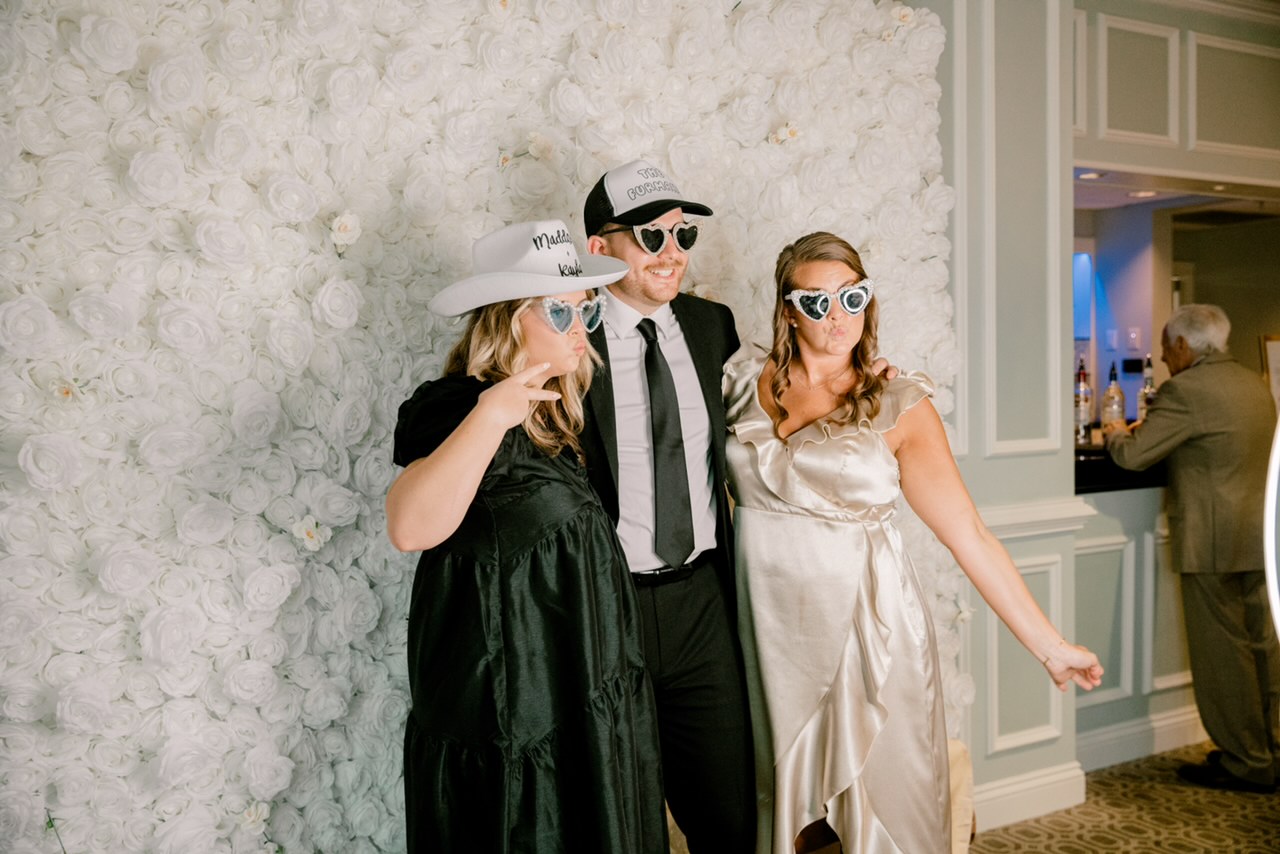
[654,444]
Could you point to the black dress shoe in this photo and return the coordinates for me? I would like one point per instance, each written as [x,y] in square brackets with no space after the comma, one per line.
[1217,777]
[1214,757]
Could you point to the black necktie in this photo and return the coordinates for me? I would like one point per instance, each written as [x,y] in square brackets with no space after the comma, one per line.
[673,522]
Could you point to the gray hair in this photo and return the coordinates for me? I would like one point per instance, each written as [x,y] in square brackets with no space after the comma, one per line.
[1204,327]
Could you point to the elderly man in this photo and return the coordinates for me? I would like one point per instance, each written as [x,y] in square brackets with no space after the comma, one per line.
[1213,420]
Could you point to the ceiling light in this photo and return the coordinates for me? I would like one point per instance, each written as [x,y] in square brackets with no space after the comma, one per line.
[1089,176]
[1219,187]
[1143,194]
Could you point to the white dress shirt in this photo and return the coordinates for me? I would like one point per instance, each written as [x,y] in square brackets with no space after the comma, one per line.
[635,440]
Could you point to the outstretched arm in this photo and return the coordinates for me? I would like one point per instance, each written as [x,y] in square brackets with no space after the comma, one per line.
[932,485]
[429,499]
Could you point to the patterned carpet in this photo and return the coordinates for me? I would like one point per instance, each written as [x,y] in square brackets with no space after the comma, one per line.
[1142,806]
[1139,807]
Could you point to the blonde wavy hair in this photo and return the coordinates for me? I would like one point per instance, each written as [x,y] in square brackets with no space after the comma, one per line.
[864,398]
[492,348]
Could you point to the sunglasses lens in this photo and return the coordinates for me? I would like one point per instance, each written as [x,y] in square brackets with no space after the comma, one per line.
[651,239]
[854,300]
[814,306]
[686,236]
[592,313]
[559,315]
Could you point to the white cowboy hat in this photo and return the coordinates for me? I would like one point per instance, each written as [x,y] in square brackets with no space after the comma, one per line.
[527,259]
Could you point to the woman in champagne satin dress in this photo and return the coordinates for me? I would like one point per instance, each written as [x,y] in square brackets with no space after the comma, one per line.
[847,704]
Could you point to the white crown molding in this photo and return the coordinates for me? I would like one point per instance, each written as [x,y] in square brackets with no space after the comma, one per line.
[1037,518]
[1253,11]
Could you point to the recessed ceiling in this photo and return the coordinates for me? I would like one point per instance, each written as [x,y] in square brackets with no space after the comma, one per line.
[1208,204]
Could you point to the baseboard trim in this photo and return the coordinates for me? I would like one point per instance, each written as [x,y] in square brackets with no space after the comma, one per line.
[1123,742]
[1018,798]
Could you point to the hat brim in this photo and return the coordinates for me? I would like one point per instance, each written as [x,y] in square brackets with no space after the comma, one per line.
[650,211]
[489,288]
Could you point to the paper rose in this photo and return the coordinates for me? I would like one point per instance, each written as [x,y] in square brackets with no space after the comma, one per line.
[312,535]
[345,229]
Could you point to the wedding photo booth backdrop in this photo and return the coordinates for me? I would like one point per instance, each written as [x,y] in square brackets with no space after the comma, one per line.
[220,223]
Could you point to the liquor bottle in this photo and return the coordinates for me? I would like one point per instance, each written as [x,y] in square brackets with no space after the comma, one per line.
[1084,404]
[1147,395]
[1112,399]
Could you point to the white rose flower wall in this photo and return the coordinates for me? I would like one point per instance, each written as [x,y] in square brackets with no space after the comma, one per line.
[220,224]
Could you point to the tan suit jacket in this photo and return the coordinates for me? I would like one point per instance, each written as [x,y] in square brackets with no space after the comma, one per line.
[1214,422]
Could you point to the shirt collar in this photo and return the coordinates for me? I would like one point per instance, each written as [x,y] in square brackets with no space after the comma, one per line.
[621,319]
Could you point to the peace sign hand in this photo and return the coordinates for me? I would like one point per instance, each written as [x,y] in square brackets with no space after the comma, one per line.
[507,403]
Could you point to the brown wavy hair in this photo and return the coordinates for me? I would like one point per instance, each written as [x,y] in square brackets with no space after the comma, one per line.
[492,348]
[864,398]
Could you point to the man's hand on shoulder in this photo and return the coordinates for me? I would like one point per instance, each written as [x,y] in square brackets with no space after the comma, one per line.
[881,368]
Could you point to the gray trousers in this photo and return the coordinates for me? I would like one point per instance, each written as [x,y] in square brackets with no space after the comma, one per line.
[1235,667]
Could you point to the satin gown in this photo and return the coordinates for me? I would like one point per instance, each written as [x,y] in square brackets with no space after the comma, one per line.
[533,727]
[846,694]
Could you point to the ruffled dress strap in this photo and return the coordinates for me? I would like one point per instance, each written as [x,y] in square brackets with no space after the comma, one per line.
[900,394]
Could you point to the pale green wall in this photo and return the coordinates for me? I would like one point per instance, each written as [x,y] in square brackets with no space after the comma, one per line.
[1238,268]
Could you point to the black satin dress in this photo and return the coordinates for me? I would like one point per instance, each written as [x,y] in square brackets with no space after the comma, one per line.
[533,726]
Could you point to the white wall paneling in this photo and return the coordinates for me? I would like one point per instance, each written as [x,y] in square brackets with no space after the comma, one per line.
[1124,76]
[1253,108]
[1122,607]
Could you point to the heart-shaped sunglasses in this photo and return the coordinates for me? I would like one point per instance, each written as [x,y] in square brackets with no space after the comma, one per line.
[816,305]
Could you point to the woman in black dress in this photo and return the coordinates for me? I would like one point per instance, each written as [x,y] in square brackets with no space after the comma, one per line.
[533,727]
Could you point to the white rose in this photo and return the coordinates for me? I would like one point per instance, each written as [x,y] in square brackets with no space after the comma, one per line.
[357,612]
[155,177]
[20,814]
[109,43]
[23,532]
[28,328]
[239,53]
[51,461]
[285,708]
[223,241]
[568,103]
[290,340]
[337,304]
[313,18]
[250,682]
[925,43]
[168,633]
[176,82]
[289,198]
[348,89]
[324,704]
[255,414]
[171,448]
[183,676]
[267,772]
[268,647]
[345,229]
[332,504]
[408,71]
[188,328]
[204,523]
[468,135]
[83,706]
[190,830]
[312,535]
[227,144]
[130,228]
[267,588]
[102,315]
[24,700]
[124,569]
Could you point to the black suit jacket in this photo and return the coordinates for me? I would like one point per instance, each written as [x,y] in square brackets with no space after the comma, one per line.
[708,328]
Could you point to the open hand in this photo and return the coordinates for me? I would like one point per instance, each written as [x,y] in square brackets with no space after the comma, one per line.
[507,403]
